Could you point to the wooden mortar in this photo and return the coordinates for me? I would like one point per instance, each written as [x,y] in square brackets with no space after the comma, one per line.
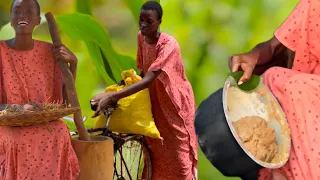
[95,157]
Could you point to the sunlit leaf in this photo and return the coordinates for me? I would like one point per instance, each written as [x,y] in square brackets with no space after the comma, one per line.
[85,7]
[84,27]
[250,85]
[98,61]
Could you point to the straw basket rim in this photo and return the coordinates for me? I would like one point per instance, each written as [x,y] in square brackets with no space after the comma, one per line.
[29,118]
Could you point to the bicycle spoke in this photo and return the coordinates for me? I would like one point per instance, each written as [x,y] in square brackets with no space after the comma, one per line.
[115,168]
[125,165]
[139,164]
[121,158]
[130,160]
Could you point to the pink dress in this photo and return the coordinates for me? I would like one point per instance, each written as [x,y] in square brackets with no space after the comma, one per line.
[173,108]
[40,151]
[298,91]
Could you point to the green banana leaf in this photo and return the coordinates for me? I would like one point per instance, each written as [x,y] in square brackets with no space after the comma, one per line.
[84,27]
[250,85]
[85,7]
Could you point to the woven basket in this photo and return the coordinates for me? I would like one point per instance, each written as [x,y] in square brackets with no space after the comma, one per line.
[29,118]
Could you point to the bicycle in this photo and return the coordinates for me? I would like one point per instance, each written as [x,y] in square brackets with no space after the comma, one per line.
[123,145]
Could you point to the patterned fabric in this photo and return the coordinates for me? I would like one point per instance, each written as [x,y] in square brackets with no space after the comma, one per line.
[298,91]
[41,151]
[173,108]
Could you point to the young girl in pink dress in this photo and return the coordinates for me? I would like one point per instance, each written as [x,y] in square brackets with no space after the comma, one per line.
[172,99]
[29,75]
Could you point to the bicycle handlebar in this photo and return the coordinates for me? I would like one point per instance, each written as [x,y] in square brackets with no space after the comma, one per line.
[107,112]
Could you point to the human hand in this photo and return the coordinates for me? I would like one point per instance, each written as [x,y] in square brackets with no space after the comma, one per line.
[103,102]
[64,54]
[247,62]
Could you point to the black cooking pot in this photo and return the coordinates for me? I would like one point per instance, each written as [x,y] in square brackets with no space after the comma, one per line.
[217,142]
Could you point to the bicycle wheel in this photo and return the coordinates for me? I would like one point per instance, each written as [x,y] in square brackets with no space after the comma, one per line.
[132,161]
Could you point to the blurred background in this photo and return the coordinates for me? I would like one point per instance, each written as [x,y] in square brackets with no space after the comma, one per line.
[208,32]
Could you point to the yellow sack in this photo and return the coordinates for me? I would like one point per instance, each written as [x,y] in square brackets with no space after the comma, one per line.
[133,114]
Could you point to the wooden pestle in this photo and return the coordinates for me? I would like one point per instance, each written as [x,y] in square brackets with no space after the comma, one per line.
[68,80]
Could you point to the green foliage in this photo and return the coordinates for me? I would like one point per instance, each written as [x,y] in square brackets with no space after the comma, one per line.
[134,6]
[207,31]
[4,18]
[207,172]
[84,6]
[250,85]
[83,27]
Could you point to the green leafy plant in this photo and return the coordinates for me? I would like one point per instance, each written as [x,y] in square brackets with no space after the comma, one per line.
[108,62]
[250,85]
[83,26]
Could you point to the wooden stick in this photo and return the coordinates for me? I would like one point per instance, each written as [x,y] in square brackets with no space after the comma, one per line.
[68,79]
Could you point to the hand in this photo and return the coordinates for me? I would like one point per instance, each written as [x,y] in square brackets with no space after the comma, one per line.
[65,54]
[103,102]
[247,62]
